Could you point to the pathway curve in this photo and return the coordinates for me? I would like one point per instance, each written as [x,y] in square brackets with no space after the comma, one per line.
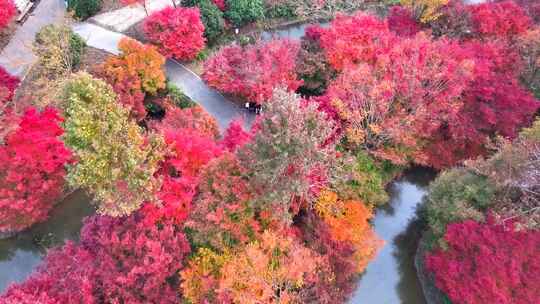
[213,102]
[17,57]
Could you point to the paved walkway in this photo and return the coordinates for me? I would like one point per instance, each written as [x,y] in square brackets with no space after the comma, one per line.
[17,57]
[214,103]
[121,19]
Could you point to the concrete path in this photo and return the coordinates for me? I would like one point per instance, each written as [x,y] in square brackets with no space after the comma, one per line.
[213,102]
[17,57]
[121,19]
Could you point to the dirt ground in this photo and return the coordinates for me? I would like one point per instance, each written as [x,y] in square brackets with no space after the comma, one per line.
[40,92]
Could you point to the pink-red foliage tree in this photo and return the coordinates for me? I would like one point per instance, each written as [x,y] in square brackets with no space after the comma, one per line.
[220,4]
[190,152]
[401,21]
[134,262]
[66,276]
[32,170]
[500,19]
[7,12]
[355,39]
[178,32]
[235,136]
[488,263]
[254,71]
[8,84]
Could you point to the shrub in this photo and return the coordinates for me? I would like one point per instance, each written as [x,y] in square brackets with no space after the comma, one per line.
[457,195]
[241,12]
[8,85]
[84,9]
[32,162]
[58,49]
[212,18]
[502,19]
[528,45]
[178,97]
[455,21]
[116,163]
[135,262]
[7,12]
[137,70]
[254,71]
[368,181]
[425,10]
[193,118]
[487,263]
[402,22]
[235,137]
[178,32]
[280,8]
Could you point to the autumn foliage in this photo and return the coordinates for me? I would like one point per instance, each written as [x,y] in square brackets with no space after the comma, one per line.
[32,169]
[8,84]
[137,71]
[254,71]
[7,12]
[487,263]
[500,19]
[178,32]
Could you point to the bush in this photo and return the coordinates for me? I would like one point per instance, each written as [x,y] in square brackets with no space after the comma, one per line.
[84,9]
[138,70]
[425,10]
[116,162]
[455,21]
[402,22]
[280,8]
[7,12]
[58,49]
[528,45]
[178,32]
[502,19]
[457,195]
[254,71]
[369,180]
[32,170]
[488,263]
[178,97]
[8,84]
[212,18]
[241,12]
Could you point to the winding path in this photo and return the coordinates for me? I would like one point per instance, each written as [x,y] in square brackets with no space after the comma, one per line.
[222,109]
[17,57]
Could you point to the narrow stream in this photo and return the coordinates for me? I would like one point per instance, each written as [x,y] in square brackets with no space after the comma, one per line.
[391,277]
[19,255]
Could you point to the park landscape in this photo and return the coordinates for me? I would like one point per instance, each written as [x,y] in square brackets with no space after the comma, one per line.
[270,151]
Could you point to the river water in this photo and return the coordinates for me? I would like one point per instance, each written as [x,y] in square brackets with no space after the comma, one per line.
[391,277]
[20,255]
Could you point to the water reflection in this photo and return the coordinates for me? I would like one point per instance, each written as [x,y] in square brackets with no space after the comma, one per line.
[391,277]
[20,254]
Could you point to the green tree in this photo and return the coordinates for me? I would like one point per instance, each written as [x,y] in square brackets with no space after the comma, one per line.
[241,12]
[116,162]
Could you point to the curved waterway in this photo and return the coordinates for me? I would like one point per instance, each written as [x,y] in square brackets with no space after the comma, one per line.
[21,254]
[391,277]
